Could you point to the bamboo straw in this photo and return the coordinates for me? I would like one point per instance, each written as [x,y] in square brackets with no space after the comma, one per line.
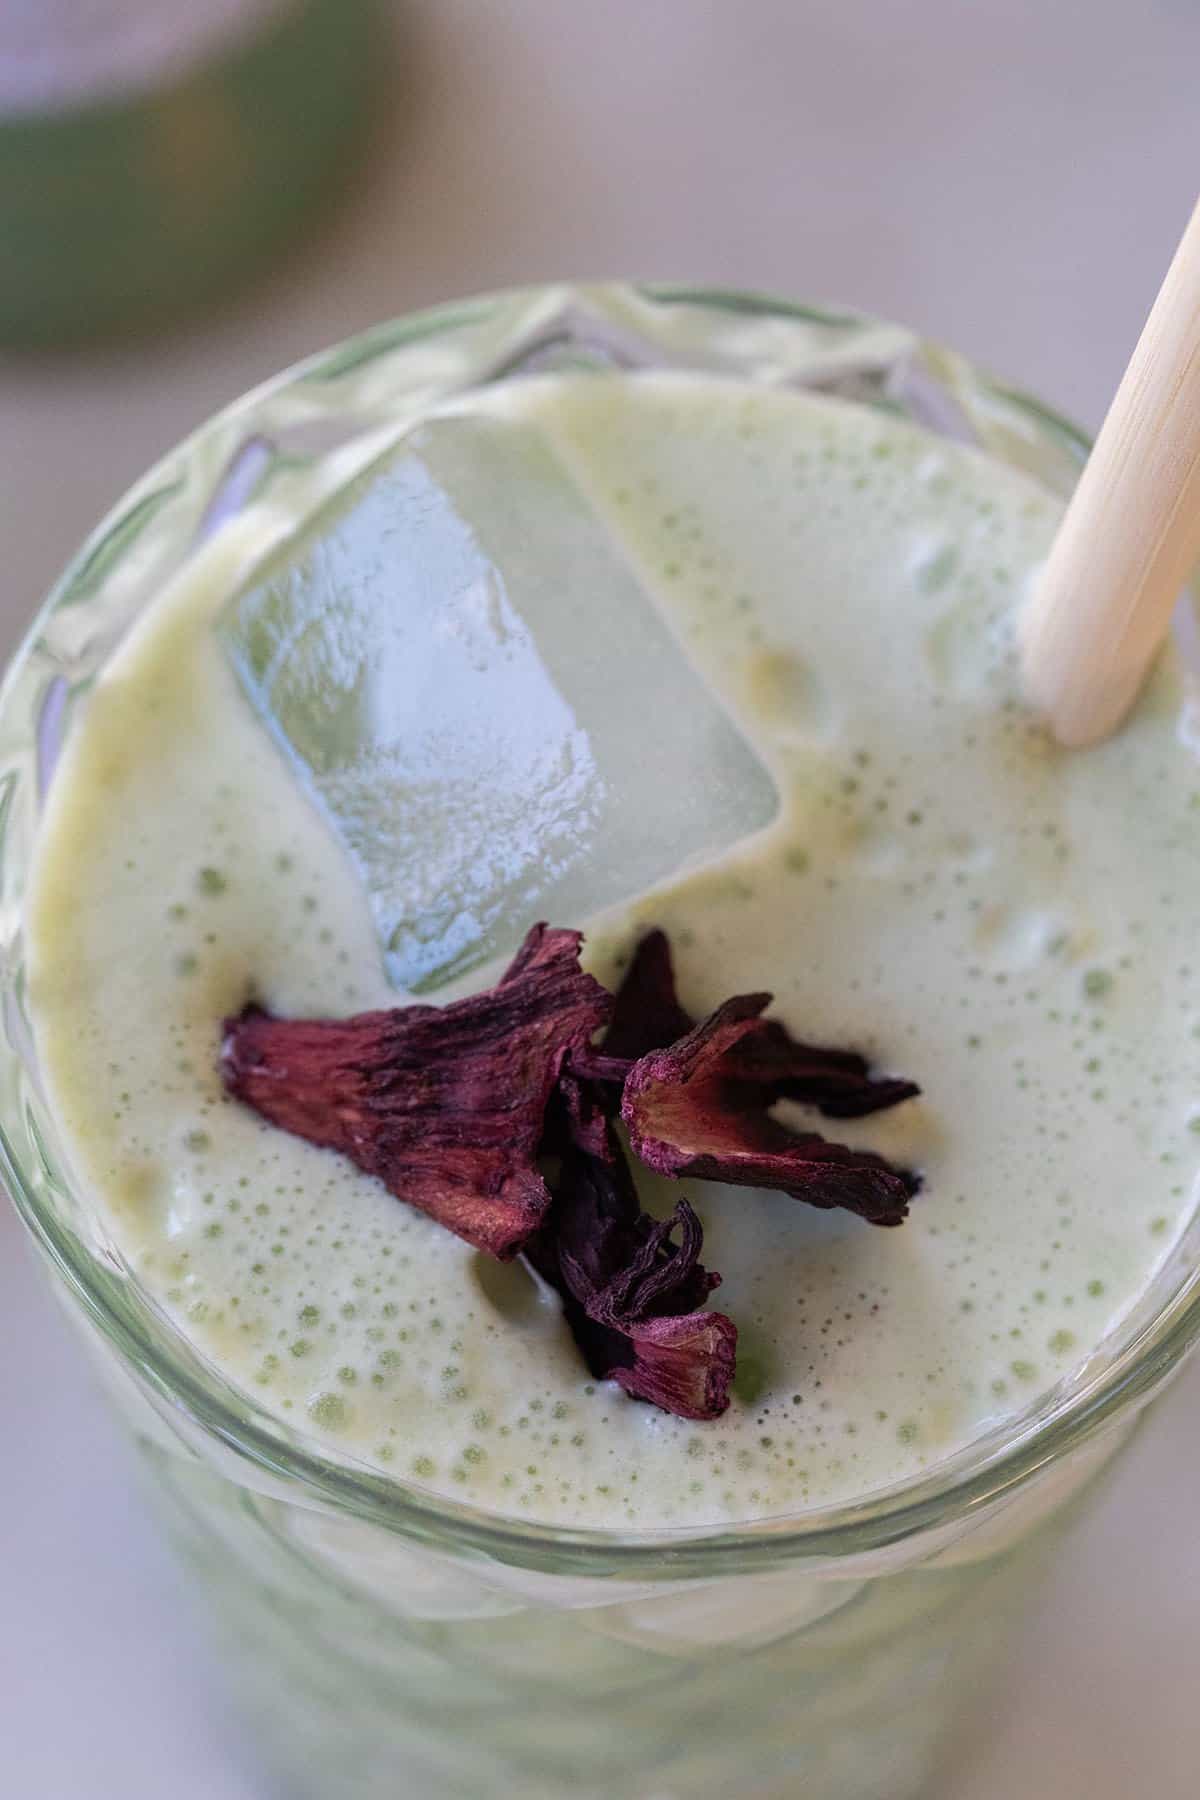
[1131,534]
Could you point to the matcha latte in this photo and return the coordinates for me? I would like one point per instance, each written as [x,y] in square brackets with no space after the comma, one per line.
[684,622]
[819,600]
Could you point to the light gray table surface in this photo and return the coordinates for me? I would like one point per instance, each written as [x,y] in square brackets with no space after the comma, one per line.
[1010,176]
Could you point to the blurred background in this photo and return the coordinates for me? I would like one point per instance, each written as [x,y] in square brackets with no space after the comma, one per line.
[193,193]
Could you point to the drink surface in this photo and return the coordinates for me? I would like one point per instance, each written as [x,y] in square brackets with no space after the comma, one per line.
[938,886]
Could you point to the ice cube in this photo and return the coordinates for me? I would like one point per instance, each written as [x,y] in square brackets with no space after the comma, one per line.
[490,710]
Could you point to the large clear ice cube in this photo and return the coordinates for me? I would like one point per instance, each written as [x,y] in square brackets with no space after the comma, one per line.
[486,704]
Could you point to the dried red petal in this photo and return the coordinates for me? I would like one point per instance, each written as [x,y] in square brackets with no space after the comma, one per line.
[647,1016]
[631,1295]
[581,1115]
[646,1012]
[445,1105]
[700,1108]
[838,1083]
[545,947]
[684,1364]
[655,1276]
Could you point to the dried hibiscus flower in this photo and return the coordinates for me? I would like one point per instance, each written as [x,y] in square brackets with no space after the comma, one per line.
[452,1107]
[646,1013]
[699,1107]
[445,1105]
[632,1296]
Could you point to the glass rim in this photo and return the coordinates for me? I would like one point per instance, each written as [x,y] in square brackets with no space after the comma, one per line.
[990,1469]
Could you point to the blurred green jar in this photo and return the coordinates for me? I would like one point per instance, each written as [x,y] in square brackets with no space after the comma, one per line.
[154,151]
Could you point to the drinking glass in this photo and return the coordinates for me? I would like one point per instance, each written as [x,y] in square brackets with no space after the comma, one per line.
[388,1640]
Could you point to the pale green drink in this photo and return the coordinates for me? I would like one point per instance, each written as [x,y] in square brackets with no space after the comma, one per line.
[928,879]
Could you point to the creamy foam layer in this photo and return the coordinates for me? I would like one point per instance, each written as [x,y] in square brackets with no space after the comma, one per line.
[943,889]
